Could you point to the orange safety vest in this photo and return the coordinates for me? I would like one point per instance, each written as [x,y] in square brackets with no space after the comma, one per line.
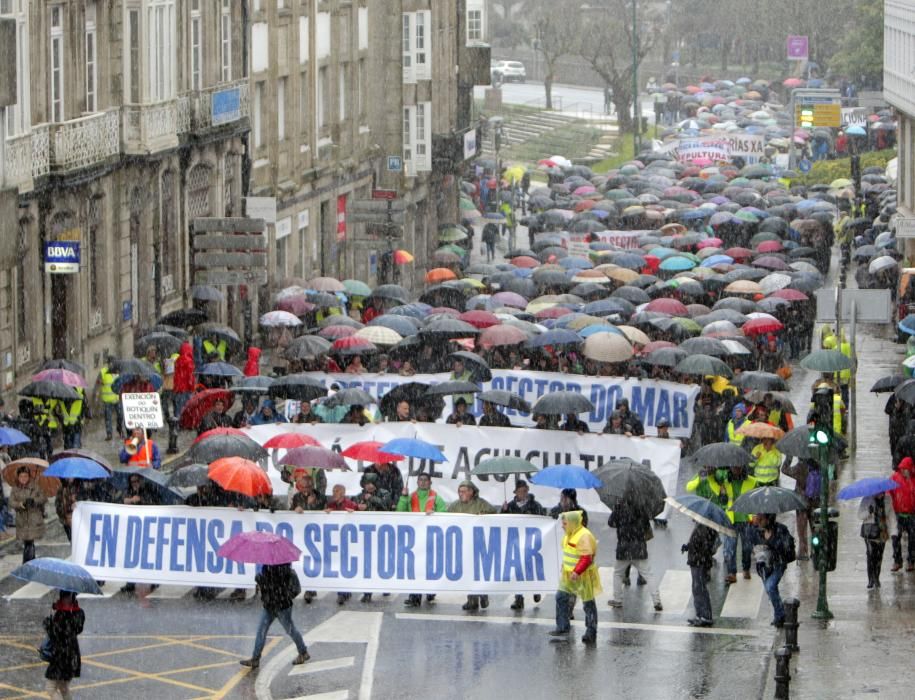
[430,501]
[143,457]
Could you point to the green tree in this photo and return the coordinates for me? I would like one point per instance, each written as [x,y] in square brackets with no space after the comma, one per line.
[860,53]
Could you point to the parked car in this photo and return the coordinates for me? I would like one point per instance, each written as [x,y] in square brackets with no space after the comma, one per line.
[508,71]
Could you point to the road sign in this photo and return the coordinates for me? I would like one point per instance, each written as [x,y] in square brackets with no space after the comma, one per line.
[384,194]
[367,211]
[142,411]
[253,241]
[804,166]
[905,227]
[357,217]
[873,305]
[61,257]
[798,48]
[261,208]
[231,277]
[227,225]
[395,164]
[230,260]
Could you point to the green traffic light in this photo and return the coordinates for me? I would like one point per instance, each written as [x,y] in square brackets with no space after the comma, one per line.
[822,437]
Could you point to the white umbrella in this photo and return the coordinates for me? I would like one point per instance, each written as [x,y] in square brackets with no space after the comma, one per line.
[279,318]
[774,282]
[379,335]
[884,262]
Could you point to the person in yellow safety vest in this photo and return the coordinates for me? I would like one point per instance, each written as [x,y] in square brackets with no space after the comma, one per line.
[41,416]
[71,416]
[737,484]
[827,332]
[579,577]
[737,419]
[152,359]
[838,406]
[845,374]
[218,348]
[707,483]
[110,400]
[324,313]
[459,373]
[767,463]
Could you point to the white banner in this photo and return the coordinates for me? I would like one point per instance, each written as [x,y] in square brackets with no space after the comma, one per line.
[651,399]
[142,411]
[749,147]
[465,447]
[385,552]
[723,148]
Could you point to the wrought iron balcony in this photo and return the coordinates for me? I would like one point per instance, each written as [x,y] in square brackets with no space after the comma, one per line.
[149,128]
[81,143]
[221,104]
[27,157]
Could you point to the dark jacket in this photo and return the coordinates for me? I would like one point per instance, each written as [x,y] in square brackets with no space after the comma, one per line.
[779,544]
[701,547]
[278,585]
[632,524]
[390,479]
[63,626]
[496,420]
[529,507]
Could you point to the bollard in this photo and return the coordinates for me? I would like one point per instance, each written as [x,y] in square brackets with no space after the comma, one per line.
[782,674]
[172,435]
[791,623]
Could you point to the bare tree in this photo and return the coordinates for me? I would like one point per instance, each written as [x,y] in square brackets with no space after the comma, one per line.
[554,24]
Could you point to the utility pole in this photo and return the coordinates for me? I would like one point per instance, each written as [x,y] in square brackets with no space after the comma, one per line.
[636,108]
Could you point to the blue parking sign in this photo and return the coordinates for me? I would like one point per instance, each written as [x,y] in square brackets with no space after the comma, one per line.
[395,164]
[804,166]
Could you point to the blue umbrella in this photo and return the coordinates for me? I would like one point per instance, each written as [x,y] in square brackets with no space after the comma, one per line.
[220,369]
[713,260]
[411,447]
[694,214]
[596,328]
[566,476]
[703,511]
[557,336]
[11,436]
[76,468]
[631,261]
[867,487]
[855,131]
[677,264]
[576,263]
[907,325]
[58,573]
[608,307]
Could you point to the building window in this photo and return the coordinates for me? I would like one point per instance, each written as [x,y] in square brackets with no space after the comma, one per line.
[304,89]
[361,86]
[18,116]
[229,191]
[57,64]
[196,45]
[225,29]
[407,139]
[22,291]
[419,29]
[474,25]
[161,33]
[322,97]
[407,47]
[96,245]
[91,61]
[258,105]
[342,92]
[419,142]
[133,21]
[281,109]
[168,248]
[198,191]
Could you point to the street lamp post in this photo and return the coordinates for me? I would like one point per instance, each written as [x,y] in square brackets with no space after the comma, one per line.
[636,109]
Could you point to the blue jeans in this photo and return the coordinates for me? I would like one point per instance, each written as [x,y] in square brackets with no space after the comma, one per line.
[180,398]
[746,548]
[564,609]
[112,413]
[285,618]
[771,585]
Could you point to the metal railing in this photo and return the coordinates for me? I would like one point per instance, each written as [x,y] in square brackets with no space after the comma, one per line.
[27,156]
[82,142]
[203,114]
[146,123]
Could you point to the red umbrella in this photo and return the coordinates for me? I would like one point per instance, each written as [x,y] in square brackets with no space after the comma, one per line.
[666,305]
[770,262]
[200,404]
[311,457]
[479,319]
[501,335]
[369,451]
[240,475]
[759,326]
[297,305]
[709,243]
[790,295]
[525,261]
[552,312]
[336,332]
[219,431]
[353,346]
[63,376]
[738,253]
[769,247]
[289,441]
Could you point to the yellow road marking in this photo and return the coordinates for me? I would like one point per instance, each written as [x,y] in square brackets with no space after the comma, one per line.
[212,650]
[234,680]
[27,693]
[139,675]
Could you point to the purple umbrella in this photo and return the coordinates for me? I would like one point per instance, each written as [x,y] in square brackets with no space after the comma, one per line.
[312,457]
[260,548]
[507,299]
[60,375]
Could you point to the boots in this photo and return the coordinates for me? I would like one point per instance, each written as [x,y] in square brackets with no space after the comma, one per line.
[253,662]
[519,603]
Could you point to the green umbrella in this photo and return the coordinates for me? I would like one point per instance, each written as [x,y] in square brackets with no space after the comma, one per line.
[456,249]
[826,361]
[747,216]
[356,288]
[503,466]
[451,235]
[467,205]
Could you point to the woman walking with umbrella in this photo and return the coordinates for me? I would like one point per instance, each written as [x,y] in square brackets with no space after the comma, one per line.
[28,501]
[878,520]
[64,625]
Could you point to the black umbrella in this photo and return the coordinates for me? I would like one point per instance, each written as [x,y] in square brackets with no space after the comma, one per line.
[407,348]
[888,383]
[627,480]
[763,381]
[212,448]
[50,390]
[206,292]
[826,361]
[300,387]
[156,483]
[220,332]
[183,318]
[134,367]
[743,306]
[392,292]
[340,320]
[402,325]
[450,329]
[631,294]
[68,365]
[165,343]
[705,365]
[500,397]
[665,357]
[704,346]
[559,403]
[441,295]
[452,387]
[721,454]
[476,364]
[253,385]
[190,476]
[796,443]
[307,347]
[415,394]
[769,499]
[906,391]
[350,397]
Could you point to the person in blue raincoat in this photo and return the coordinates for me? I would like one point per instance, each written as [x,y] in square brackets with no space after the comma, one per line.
[267,414]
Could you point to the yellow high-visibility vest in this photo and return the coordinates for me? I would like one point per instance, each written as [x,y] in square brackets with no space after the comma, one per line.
[107,378]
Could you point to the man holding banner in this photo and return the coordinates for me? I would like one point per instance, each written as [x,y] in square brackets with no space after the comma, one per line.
[470,503]
[423,500]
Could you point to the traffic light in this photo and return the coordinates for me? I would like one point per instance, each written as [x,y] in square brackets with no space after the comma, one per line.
[825,543]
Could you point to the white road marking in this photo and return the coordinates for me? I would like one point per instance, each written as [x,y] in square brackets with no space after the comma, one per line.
[325,665]
[676,590]
[332,695]
[547,622]
[743,599]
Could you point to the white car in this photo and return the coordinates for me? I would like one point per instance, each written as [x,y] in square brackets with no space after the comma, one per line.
[508,71]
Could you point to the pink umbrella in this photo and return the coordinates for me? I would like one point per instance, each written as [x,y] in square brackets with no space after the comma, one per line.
[793,82]
[480,319]
[297,305]
[769,247]
[260,548]
[584,189]
[710,243]
[63,376]
[507,299]
[502,335]
[336,332]
[666,305]
[312,457]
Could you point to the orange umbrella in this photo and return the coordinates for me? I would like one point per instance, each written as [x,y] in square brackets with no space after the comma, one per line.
[440,274]
[402,257]
[49,485]
[240,475]
[760,430]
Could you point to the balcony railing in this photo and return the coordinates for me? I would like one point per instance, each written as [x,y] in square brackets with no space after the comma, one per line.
[80,143]
[150,127]
[221,104]
[27,156]
[184,112]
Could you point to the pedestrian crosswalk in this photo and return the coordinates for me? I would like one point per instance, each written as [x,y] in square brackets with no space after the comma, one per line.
[742,600]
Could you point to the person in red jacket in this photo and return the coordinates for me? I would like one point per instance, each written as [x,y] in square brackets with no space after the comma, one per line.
[904,506]
[252,366]
[183,383]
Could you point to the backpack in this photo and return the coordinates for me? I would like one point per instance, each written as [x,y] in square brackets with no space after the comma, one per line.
[812,485]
